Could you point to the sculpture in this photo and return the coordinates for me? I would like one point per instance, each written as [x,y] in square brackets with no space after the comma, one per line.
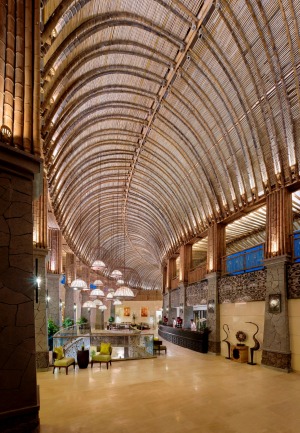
[256,344]
[225,339]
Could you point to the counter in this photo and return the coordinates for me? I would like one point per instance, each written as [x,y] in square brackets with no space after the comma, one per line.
[197,341]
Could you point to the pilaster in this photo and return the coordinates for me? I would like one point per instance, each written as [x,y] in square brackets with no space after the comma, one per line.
[276,345]
[213,313]
[40,310]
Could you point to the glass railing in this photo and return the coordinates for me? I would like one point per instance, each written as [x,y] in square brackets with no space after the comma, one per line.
[248,260]
[126,344]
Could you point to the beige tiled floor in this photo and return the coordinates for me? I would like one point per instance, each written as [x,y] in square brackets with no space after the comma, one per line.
[182,391]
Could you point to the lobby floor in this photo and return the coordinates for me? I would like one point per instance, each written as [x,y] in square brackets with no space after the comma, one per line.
[183,391]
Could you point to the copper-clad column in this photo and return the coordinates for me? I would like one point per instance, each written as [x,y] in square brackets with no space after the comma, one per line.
[215,251]
[276,344]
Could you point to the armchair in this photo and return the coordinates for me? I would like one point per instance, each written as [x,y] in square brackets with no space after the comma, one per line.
[60,360]
[104,355]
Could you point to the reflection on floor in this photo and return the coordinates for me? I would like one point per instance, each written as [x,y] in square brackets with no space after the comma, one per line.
[183,391]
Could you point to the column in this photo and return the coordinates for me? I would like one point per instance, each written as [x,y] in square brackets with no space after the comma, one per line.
[276,344]
[40,253]
[185,265]
[215,251]
[19,407]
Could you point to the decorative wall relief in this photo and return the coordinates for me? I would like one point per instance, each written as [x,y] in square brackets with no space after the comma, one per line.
[175,298]
[247,287]
[256,344]
[196,294]
[294,281]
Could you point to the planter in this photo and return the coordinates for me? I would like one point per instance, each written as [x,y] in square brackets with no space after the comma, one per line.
[83,357]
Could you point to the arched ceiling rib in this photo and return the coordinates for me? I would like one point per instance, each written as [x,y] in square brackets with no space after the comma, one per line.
[162,116]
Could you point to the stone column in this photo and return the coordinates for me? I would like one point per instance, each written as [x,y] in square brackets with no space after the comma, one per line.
[215,251]
[19,406]
[276,344]
[55,295]
[40,310]
[185,265]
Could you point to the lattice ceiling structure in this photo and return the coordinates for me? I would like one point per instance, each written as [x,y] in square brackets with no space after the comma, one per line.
[166,115]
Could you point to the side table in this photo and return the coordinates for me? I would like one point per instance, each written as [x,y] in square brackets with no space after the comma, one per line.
[239,353]
[83,357]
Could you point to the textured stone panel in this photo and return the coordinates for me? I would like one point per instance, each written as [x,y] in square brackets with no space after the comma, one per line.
[196,294]
[294,281]
[247,287]
[277,360]
[175,298]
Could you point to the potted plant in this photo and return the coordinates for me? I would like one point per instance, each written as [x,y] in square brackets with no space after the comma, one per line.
[111,319]
[52,329]
[82,321]
[67,323]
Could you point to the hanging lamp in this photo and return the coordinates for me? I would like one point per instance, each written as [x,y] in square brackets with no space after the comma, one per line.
[78,284]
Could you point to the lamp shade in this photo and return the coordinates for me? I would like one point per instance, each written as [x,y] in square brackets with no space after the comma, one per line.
[124,291]
[116,274]
[103,307]
[97,292]
[79,284]
[120,282]
[97,302]
[97,283]
[110,295]
[117,302]
[89,304]
[98,265]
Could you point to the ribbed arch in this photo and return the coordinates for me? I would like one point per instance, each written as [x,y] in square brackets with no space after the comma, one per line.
[193,109]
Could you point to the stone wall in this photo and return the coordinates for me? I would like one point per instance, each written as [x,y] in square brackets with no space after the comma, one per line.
[247,287]
[196,294]
[293,272]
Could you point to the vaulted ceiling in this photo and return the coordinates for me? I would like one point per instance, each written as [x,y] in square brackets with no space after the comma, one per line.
[161,116]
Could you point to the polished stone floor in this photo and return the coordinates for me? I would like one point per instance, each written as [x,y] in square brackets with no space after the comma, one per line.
[180,392]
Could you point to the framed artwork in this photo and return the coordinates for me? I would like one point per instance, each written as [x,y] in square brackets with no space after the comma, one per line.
[275,303]
[144,312]
[126,311]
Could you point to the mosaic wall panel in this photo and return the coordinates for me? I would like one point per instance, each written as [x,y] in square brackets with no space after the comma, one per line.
[294,281]
[175,298]
[196,294]
[246,287]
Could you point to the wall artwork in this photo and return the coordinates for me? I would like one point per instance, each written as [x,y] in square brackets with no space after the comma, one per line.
[126,311]
[144,312]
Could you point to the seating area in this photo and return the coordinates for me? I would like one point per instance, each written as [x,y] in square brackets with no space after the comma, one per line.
[103,355]
[60,360]
[158,346]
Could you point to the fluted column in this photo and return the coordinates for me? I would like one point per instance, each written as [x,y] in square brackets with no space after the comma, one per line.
[276,343]
[215,251]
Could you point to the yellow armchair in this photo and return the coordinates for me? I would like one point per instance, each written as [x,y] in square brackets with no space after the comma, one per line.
[104,355]
[60,360]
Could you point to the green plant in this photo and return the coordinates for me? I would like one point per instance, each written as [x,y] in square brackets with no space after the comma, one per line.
[67,322]
[111,319]
[52,328]
[82,321]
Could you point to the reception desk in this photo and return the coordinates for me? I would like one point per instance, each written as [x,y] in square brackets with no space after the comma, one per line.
[197,341]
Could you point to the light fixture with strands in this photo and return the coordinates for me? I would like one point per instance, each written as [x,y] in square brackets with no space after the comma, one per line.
[120,282]
[117,302]
[116,274]
[97,292]
[97,302]
[124,291]
[99,265]
[79,284]
[110,296]
[98,283]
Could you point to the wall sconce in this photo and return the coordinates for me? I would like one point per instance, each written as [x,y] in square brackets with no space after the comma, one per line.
[275,303]
[60,304]
[211,306]
[37,281]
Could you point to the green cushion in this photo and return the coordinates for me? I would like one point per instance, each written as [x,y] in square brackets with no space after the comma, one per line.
[65,362]
[59,352]
[105,349]
[101,358]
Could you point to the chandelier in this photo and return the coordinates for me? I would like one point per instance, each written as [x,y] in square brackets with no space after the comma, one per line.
[79,285]
[97,302]
[89,304]
[116,274]
[103,307]
[124,291]
[98,283]
[97,292]
[110,295]
[117,302]
[98,265]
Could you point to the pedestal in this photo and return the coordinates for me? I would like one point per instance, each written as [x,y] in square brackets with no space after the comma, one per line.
[239,353]
[83,357]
